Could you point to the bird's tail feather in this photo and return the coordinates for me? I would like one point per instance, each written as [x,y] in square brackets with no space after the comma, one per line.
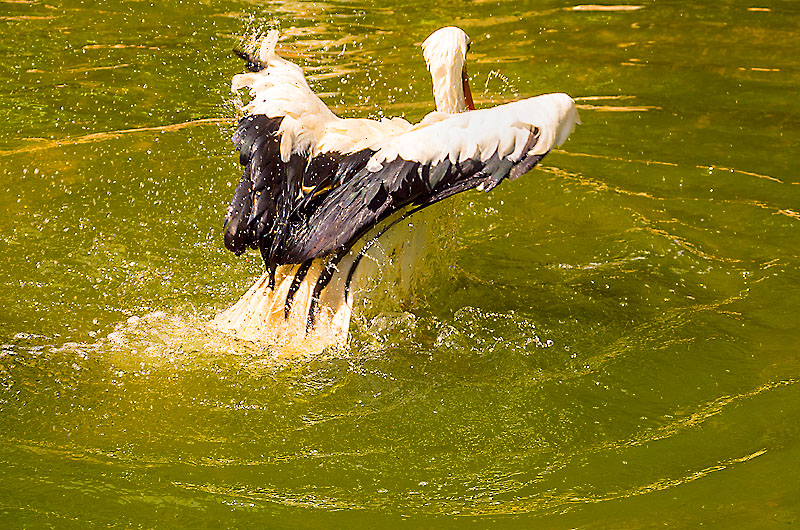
[262,314]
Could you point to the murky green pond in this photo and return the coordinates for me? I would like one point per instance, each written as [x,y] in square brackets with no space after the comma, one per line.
[615,344]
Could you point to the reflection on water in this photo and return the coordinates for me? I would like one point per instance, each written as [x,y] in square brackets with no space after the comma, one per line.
[613,343]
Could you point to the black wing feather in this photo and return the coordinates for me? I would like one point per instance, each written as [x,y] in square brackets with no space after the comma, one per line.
[238,212]
[258,144]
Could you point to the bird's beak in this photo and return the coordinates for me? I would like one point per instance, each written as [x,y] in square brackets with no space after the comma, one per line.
[467,91]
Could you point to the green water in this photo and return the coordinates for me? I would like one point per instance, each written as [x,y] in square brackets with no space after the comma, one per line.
[615,344]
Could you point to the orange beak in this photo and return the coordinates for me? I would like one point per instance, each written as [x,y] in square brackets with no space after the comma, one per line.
[467,91]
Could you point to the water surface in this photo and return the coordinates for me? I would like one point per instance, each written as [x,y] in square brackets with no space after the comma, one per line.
[614,345]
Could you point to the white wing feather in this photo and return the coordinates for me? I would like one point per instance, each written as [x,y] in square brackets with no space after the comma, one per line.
[503,130]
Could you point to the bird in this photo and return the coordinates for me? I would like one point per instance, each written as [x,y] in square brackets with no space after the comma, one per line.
[318,192]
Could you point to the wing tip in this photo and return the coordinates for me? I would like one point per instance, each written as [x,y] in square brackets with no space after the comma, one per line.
[267,51]
[251,63]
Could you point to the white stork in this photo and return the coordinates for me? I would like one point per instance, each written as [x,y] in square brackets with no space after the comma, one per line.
[318,190]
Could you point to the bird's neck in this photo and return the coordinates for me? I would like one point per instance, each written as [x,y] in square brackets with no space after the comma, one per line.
[448,89]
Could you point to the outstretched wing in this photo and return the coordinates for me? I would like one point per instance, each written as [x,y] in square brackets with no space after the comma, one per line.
[477,149]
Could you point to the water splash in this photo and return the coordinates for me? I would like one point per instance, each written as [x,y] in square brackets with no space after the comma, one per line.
[506,85]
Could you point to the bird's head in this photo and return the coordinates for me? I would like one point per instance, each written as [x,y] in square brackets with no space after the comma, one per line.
[445,52]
